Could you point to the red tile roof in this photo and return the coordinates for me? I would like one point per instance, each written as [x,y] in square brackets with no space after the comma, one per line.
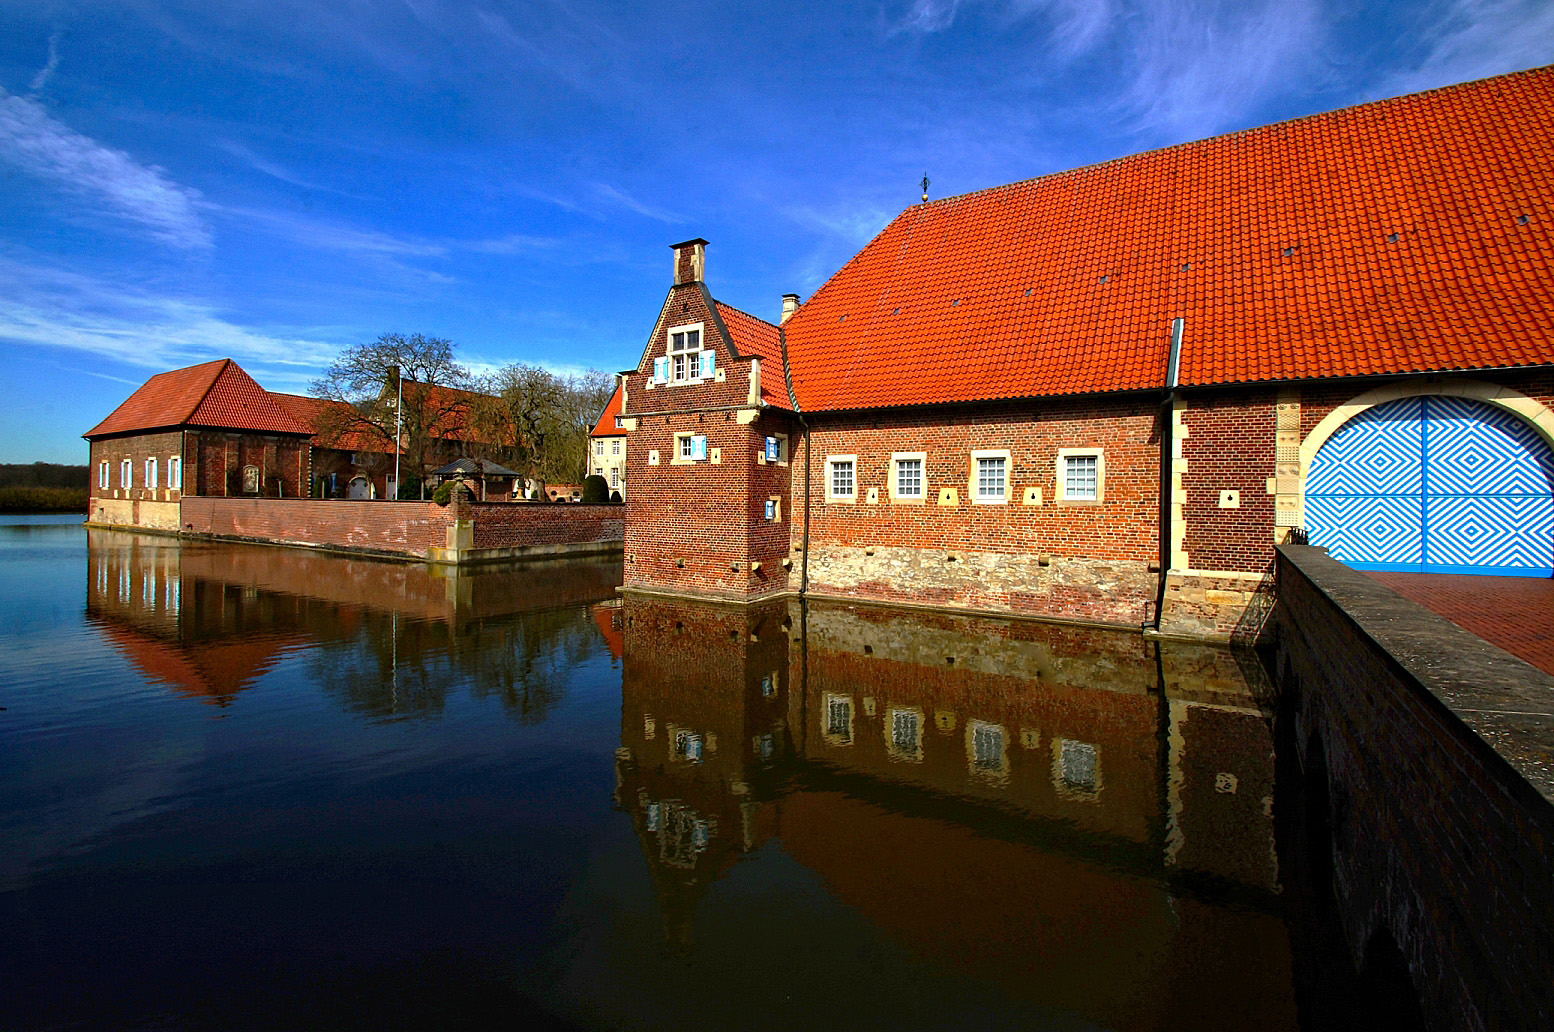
[214,394]
[758,338]
[606,426]
[1409,235]
[310,412]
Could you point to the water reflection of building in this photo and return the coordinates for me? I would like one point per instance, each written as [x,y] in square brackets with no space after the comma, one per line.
[209,620]
[1059,810]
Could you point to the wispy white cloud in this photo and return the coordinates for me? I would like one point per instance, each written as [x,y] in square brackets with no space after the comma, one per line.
[47,71]
[109,179]
[625,200]
[841,231]
[1473,39]
[273,169]
[1197,68]
[56,309]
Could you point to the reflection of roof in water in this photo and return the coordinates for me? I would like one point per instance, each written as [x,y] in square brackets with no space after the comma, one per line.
[605,616]
[211,671]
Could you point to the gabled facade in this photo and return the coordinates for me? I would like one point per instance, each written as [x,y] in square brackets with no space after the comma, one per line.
[710,512]
[1106,394]
[607,446]
[204,430]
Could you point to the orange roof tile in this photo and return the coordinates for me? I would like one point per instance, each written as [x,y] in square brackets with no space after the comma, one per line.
[1409,235]
[758,338]
[213,394]
[606,426]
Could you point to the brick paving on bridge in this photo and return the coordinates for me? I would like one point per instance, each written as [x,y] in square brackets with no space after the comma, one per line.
[1515,613]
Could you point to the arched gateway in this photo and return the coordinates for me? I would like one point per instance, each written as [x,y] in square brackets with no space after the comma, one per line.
[1435,483]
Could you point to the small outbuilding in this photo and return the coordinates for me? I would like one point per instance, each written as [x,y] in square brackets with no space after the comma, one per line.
[486,479]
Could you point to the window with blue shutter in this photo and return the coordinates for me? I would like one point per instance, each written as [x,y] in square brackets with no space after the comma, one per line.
[709,365]
[661,370]
[699,446]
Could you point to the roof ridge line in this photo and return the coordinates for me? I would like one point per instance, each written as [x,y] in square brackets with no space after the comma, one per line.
[1230,134]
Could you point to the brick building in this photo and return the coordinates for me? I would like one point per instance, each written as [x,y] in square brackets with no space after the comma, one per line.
[607,446]
[204,430]
[1105,394]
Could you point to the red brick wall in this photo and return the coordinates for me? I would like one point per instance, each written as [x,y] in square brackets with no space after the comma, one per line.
[137,449]
[1124,525]
[404,528]
[698,527]
[1230,446]
[217,460]
[509,524]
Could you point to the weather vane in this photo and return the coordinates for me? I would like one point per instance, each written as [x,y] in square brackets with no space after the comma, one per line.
[925,187]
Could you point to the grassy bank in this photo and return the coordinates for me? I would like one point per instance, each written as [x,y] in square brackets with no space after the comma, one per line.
[43,499]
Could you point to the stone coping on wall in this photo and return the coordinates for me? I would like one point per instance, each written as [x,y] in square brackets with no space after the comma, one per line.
[1506,703]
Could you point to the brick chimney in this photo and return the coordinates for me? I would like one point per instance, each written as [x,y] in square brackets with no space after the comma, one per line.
[790,304]
[690,261]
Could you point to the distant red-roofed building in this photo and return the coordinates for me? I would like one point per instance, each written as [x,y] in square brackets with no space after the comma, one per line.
[208,429]
[607,447]
[1105,394]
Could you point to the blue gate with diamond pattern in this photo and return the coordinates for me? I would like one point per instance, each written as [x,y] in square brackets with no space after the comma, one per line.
[1436,484]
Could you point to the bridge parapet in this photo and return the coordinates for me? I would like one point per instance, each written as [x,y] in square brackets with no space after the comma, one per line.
[1430,756]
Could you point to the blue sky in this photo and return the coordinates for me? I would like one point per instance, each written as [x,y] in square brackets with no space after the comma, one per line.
[274,180]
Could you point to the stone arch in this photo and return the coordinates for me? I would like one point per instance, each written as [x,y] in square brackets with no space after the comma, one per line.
[1530,410]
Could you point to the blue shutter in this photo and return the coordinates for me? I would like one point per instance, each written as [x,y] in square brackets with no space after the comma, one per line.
[661,370]
[699,447]
[709,365]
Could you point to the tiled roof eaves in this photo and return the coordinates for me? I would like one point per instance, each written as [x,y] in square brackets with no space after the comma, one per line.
[1011,399]
[717,318]
[1379,374]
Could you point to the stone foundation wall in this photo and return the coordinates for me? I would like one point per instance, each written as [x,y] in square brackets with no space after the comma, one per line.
[1213,605]
[1104,591]
[123,512]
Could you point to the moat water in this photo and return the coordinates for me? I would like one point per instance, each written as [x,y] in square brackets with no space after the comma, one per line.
[244,787]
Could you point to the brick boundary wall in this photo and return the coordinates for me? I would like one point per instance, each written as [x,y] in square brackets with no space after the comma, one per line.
[1440,803]
[389,528]
[517,525]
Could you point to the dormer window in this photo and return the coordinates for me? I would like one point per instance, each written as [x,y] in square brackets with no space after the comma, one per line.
[685,360]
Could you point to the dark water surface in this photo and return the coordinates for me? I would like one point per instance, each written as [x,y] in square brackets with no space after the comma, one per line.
[244,787]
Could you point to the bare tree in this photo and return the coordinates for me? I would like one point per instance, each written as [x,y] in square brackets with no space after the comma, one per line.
[436,403]
[540,420]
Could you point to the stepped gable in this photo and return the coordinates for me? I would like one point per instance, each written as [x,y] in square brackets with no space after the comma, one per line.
[1409,235]
[213,394]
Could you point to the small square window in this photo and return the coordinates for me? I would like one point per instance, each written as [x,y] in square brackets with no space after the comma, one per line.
[906,478]
[690,447]
[841,478]
[1080,477]
[989,477]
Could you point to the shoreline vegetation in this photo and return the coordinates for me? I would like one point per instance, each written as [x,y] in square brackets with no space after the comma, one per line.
[43,487]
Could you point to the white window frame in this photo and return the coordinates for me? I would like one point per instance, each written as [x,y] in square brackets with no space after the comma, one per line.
[151,474]
[175,473]
[102,476]
[127,475]
[615,446]
[599,448]
[694,369]
[974,485]
[1060,493]
[782,449]
[832,461]
[687,442]
[981,769]
[896,459]
[615,478]
[840,703]
[909,753]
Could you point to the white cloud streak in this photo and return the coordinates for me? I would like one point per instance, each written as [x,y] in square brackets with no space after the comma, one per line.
[47,71]
[109,179]
[50,308]
[1474,39]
